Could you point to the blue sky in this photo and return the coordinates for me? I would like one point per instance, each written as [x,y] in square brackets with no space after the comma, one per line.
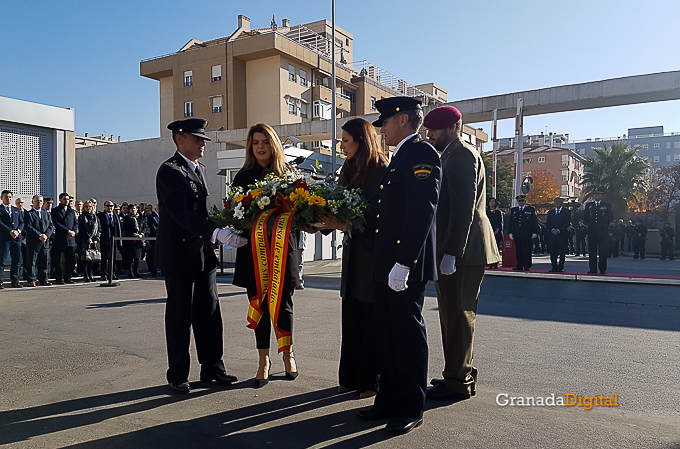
[86,54]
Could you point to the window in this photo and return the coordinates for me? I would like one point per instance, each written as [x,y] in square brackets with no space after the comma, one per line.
[372,103]
[350,95]
[303,78]
[303,110]
[189,109]
[565,190]
[676,144]
[645,147]
[322,109]
[565,159]
[541,159]
[676,157]
[292,109]
[188,78]
[668,145]
[668,158]
[216,72]
[656,146]
[656,158]
[216,104]
[291,73]
[527,160]
[582,151]
[565,175]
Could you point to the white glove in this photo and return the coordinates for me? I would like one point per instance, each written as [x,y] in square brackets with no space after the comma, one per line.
[534,236]
[229,237]
[511,237]
[448,265]
[398,277]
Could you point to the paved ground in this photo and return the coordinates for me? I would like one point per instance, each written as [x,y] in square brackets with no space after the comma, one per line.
[83,366]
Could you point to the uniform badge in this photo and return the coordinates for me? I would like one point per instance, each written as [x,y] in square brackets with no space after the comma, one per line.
[172,164]
[422,171]
[193,186]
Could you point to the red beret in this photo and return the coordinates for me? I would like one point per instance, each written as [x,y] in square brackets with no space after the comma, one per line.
[442,117]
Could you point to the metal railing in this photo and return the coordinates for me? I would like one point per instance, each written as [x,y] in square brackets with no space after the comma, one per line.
[368,70]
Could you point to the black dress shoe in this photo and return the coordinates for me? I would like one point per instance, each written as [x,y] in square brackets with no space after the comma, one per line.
[17,285]
[60,282]
[402,425]
[603,272]
[517,269]
[181,387]
[259,383]
[441,392]
[592,272]
[436,381]
[221,377]
[69,281]
[373,414]
[553,270]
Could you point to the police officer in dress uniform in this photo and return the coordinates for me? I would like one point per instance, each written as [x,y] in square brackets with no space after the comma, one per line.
[557,229]
[667,235]
[523,224]
[405,240]
[597,215]
[465,245]
[184,252]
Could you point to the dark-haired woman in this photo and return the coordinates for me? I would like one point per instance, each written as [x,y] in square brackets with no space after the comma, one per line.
[132,248]
[364,168]
[264,154]
[89,232]
[495,216]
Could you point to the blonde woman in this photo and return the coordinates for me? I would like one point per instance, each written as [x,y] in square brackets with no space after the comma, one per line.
[264,154]
[89,231]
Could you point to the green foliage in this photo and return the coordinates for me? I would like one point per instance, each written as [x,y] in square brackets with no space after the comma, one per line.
[503,183]
[619,171]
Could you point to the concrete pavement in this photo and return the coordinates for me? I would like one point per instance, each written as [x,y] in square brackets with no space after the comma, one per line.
[84,366]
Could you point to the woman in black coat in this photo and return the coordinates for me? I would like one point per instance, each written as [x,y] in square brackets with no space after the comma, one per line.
[89,232]
[264,154]
[132,248]
[364,168]
[495,216]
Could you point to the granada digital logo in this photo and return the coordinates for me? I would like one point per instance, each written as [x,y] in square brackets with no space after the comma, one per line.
[553,400]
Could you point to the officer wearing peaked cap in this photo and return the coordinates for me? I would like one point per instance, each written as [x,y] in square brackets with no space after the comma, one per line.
[523,224]
[597,215]
[405,240]
[185,255]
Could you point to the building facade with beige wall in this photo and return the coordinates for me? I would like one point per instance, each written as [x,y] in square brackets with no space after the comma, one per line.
[277,75]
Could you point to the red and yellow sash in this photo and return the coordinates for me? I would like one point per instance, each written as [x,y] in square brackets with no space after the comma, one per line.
[269,259]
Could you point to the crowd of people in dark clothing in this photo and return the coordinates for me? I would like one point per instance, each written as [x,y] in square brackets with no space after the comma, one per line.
[74,238]
[624,235]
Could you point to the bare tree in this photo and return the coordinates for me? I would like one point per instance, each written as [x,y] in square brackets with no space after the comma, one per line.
[664,188]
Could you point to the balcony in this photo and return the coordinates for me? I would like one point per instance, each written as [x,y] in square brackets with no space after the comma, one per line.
[326,94]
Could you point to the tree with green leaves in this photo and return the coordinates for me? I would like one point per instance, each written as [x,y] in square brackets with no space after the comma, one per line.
[619,171]
[504,178]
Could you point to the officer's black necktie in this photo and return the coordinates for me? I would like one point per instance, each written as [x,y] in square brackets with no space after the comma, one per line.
[200,178]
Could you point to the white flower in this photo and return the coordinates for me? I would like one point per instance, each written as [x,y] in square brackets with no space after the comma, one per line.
[263,202]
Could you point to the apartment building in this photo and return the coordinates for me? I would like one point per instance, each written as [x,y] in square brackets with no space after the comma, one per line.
[564,164]
[657,147]
[278,75]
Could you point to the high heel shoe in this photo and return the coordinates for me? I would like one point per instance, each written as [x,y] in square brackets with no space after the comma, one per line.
[259,383]
[290,375]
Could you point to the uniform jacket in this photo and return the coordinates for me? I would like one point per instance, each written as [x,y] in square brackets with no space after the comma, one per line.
[463,229]
[7,224]
[106,228]
[407,206]
[152,224]
[35,226]
[523,223]
[358,255]
[598,217]
[640,232]
[558,221]
[64,219]
[667,234]
[184,233]
[581,231]
[244,269]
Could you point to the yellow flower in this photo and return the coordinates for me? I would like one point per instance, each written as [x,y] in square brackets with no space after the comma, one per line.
[315,199]
[255,193]
[239,198]
[299,194]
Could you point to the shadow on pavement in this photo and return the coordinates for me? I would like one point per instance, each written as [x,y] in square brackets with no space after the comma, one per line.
[238,428]
[625,305]
[144,301]
[21,425]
